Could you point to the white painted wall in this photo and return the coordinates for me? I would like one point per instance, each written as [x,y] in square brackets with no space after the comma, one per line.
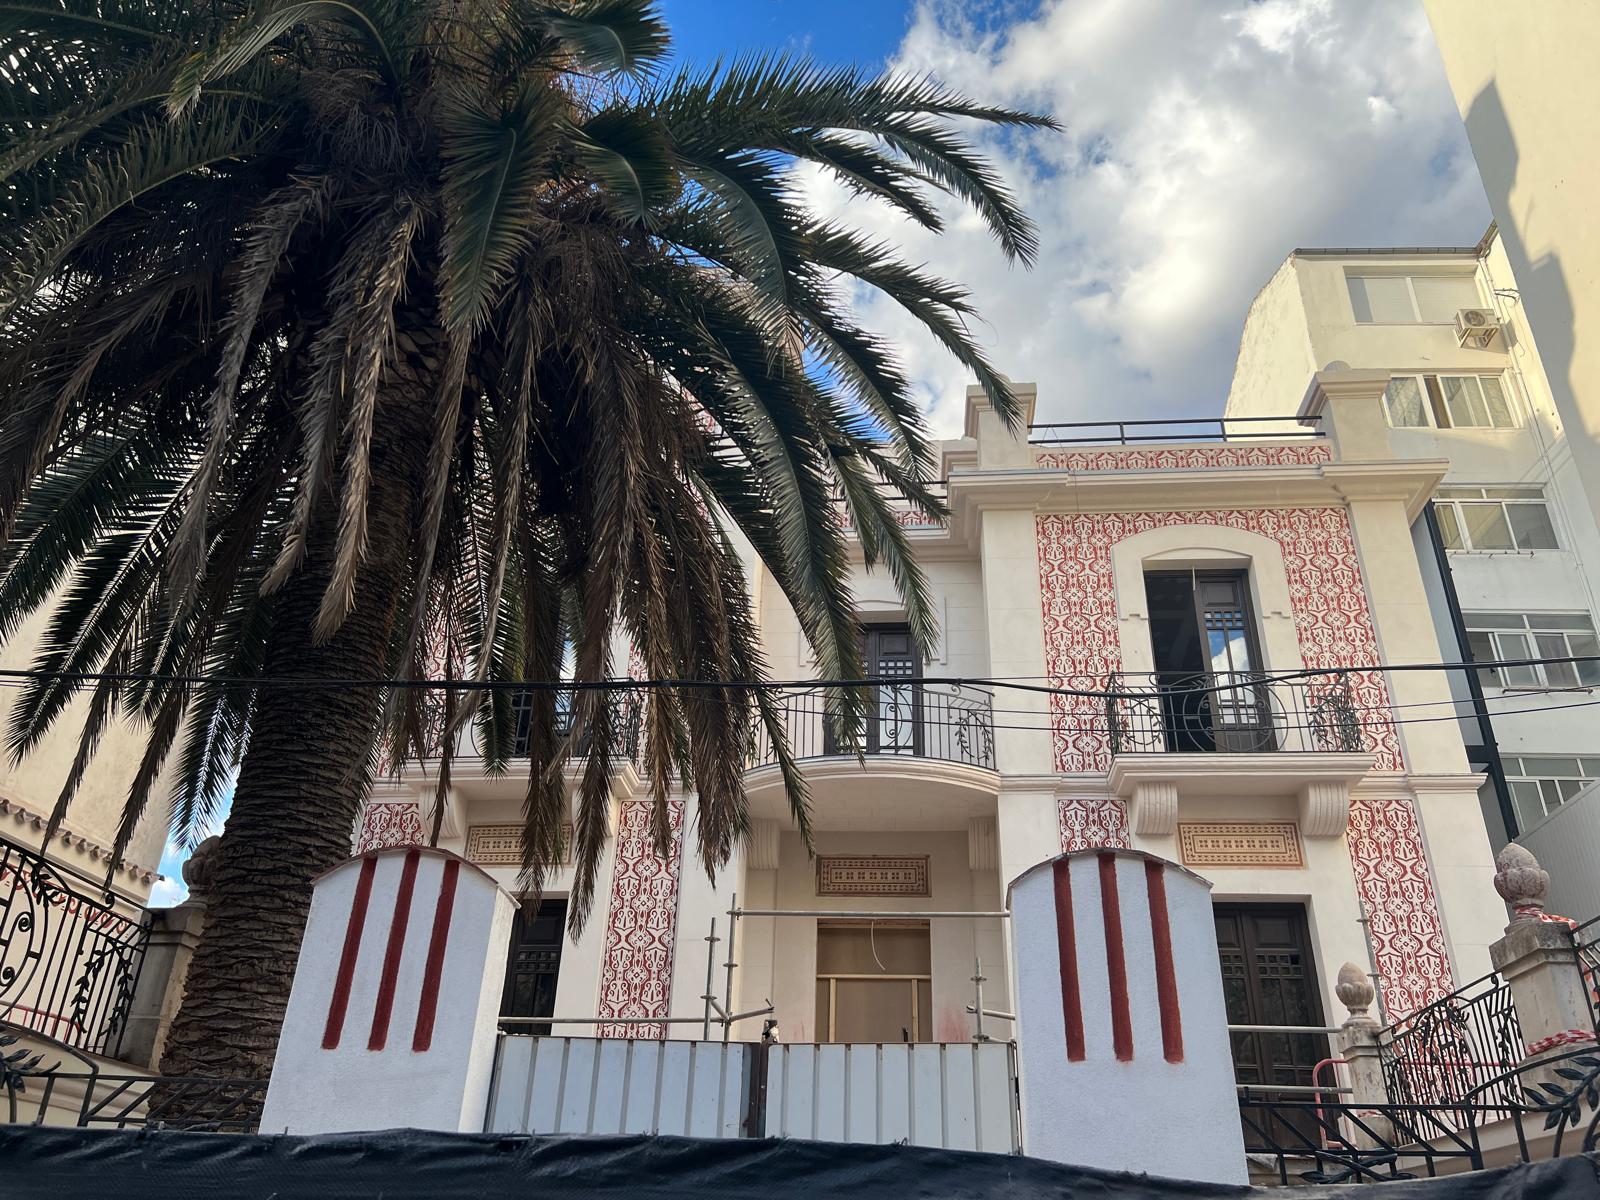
[1144,1113]
[351,1086]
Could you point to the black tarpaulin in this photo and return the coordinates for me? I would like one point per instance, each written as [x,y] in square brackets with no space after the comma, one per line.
[65,1164]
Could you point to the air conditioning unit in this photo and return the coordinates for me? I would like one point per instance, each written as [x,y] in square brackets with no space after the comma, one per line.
[1477,327]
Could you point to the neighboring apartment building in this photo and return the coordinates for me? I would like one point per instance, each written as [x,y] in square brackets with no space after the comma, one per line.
[1512,526]
[1524,79]
[1180,577]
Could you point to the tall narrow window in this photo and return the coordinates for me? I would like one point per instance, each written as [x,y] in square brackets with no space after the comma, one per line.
[1208,661]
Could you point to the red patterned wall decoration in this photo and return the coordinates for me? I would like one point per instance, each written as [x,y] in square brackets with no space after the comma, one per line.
[386,823]
[1174,458]
[1090,822]
[641,924]
[1334,628]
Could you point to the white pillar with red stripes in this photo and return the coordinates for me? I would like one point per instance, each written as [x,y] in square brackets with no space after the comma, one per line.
[391,1020]
[1121,1027]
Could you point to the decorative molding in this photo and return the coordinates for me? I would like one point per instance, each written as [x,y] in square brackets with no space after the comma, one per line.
[24,815]
[641,924]
[1247,844]
[501,845]
[983,844]
[1324,807]
[1176,458]
[386,823]
[872,875]
[761,849]
[1153,808]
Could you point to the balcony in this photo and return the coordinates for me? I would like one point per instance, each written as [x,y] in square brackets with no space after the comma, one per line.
[943,722]
[1238,734]
[926,760]
[1232,712]
[70,953]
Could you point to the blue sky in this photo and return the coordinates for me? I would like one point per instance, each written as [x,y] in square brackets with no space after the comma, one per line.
[839,31]
[1204,140]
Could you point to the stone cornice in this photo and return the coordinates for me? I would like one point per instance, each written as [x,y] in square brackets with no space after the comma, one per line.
[23,815]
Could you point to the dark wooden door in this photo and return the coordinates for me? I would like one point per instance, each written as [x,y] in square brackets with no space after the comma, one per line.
[894,724]
[1269,978]
[536,939]
[1208,661]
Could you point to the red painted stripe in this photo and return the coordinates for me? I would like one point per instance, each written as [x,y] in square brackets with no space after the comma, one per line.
[1155,883]
[1067,945]
[382,1011]
[340,1002]
[1116,961]
[422,1037]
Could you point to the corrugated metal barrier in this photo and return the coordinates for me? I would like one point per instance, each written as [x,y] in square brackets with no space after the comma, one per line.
[956,1096]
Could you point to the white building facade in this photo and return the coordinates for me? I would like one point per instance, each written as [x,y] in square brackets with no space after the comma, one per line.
[1512,536]
[1330,831]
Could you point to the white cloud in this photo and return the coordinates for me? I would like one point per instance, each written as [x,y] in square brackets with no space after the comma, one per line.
[1204,142]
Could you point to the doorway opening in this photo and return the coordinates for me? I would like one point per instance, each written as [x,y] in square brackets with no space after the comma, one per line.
[874,981]
[1269,978]
[537,934]
[1208,662]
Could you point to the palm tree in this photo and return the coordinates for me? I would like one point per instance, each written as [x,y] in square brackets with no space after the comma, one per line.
[342,339]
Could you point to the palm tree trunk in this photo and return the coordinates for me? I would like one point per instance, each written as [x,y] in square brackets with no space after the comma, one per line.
[304,777]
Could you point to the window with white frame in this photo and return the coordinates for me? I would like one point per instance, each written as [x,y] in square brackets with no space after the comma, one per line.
[1495,518]
[1411,299]
[1448,402]
[1509,637]
[1542,783]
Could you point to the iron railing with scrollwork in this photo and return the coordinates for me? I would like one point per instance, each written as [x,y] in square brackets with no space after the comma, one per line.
[46,1081]
[1545,1109]
[69,959]
[1235,712]
[1467,1045]
[627,720]
[947,722]
[1586,948]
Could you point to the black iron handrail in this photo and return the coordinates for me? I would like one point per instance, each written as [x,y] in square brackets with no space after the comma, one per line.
[628,720]
[1235,712]
[1179,429]
[1361,1141]
[1468,1044]
[1586,949]
[946,722]
[45,1080]
[69,960]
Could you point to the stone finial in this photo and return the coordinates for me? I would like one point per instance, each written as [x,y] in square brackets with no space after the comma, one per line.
[200,868]
[1521,882]
[1355,991]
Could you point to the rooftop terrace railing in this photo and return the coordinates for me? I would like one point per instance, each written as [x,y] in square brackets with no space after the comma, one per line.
[1180,429]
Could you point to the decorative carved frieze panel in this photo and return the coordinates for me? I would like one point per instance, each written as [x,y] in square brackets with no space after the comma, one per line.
[1248,844]
[501,845]
[872,875]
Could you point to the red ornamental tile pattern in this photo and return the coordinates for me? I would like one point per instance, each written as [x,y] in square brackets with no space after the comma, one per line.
[1080,613]
[641,926]
[1335,629]
[1397,896]
[386,823]
[1171,458]
[1087,823]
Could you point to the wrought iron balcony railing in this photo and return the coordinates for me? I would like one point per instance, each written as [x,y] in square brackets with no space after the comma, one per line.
[1467,1045]
[1231,713]
[628,716]
[69,957]
[946,722]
